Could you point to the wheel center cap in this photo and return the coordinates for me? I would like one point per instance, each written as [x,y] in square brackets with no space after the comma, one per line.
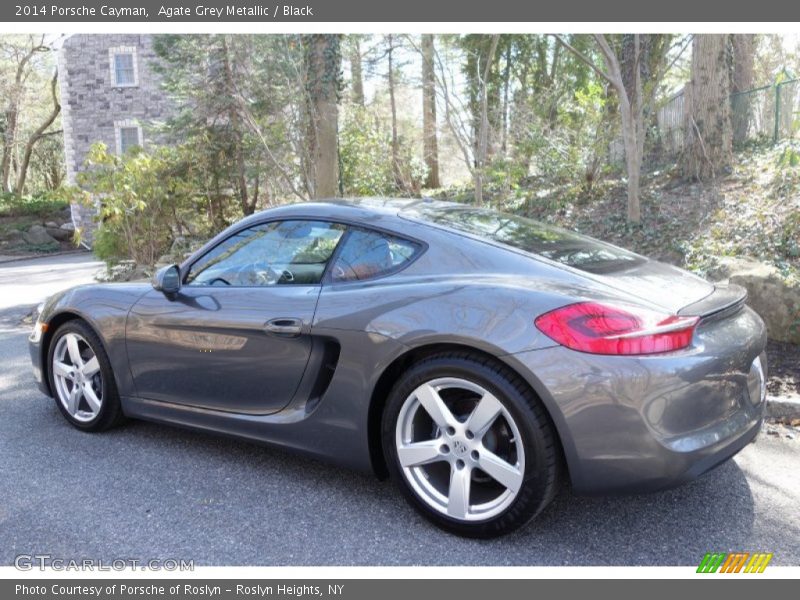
[459,447]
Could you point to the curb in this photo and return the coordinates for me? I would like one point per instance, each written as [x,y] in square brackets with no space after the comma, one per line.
[782,408]
[13,259]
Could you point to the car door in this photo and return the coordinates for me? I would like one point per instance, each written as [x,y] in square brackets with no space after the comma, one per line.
[237,335]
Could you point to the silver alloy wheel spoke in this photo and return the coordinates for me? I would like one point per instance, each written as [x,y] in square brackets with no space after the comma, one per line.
[62,369]
[432,402]
[458,494]
[91,367]
[484,414]
[73,400]
[501,471]
[420,453]
[91,397]
[73,350]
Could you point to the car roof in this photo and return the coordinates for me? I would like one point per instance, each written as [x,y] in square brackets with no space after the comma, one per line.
[351,209]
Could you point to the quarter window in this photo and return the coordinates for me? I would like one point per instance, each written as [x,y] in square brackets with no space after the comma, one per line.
[277,253]
[367,254]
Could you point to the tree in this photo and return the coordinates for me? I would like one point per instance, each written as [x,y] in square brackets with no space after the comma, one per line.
[483,128]
[624,69]
[22,58]
[743,49]
[708,134]
[356,70]
[631,123]
[322,76]
[470,137]
[240,101]
[39,133]
[430,144]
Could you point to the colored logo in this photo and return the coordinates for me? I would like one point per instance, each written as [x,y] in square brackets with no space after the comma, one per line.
[734,562]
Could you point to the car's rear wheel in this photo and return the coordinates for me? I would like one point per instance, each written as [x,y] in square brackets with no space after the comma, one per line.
[81,378]
[470,445]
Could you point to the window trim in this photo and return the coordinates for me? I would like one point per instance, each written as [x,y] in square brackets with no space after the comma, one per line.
[326,280]
[112,65]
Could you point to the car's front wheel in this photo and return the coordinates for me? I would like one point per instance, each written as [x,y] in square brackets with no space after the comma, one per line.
[81,378]
[470,445]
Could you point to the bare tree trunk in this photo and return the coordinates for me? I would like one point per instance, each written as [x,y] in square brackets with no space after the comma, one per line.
[396,171]
[429,137]
[483,130]
[22,172]
[9,141]
[356,71]
[323,63]
[235,126]
[506,86]
[743,47]
[708,134]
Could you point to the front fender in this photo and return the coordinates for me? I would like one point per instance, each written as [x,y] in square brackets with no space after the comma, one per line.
[105,308]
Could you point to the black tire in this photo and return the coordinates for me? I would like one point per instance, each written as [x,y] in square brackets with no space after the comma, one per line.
[110,413]
[541,475]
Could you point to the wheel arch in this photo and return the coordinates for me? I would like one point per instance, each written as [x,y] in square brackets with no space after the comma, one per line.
[402,363]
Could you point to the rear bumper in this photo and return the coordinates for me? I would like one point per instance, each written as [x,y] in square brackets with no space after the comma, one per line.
[632,424]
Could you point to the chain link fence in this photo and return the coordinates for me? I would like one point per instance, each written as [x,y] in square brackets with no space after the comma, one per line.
[764,114]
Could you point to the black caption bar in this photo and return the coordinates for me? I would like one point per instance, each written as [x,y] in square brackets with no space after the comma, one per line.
[369,589]
[35,11]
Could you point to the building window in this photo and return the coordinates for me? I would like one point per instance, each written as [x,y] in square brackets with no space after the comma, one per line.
[128,134]
[123,63]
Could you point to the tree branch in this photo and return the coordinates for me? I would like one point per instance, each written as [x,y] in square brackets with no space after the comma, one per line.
[583,58]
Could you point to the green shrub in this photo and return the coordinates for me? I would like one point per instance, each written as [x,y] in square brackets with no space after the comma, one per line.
[40,206]
[140,196]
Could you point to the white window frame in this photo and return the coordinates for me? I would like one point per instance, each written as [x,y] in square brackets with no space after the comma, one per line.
[126,124]
[112,65]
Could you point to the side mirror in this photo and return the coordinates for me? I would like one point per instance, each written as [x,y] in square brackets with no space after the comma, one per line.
[167,280]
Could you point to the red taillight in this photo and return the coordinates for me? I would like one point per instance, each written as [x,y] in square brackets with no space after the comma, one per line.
[604,329]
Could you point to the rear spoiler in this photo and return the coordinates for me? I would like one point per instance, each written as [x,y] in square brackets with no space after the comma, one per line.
[725,297]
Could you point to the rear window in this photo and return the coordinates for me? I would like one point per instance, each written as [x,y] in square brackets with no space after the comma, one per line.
[531,236]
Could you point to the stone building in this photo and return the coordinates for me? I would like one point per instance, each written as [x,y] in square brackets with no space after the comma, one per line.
[109,94]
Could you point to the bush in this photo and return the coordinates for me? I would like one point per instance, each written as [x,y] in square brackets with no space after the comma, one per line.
[141,195]
[40,206]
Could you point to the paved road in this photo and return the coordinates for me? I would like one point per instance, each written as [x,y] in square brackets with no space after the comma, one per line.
[147,491]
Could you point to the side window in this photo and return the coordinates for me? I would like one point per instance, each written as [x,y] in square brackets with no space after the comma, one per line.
[367,254]
[277,253]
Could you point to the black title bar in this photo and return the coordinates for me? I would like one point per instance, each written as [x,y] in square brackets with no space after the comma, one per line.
[473,11]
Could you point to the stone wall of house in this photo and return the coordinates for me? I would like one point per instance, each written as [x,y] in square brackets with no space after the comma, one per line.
[93,107]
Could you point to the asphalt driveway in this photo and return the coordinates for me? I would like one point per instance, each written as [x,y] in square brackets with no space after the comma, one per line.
[148,491]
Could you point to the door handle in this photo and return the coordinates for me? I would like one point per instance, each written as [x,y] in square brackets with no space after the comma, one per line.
[284,326]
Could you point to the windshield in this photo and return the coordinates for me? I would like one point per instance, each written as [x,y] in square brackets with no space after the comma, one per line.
[531,236]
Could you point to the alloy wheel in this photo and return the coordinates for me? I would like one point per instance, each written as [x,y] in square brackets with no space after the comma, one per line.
[460,449]
[77,377]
